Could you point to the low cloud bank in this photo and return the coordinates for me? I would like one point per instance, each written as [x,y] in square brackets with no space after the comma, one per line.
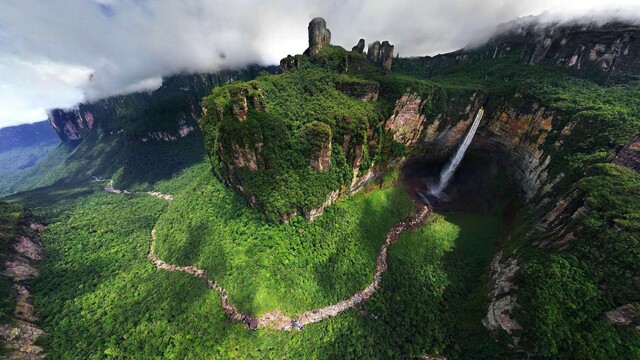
[59,53]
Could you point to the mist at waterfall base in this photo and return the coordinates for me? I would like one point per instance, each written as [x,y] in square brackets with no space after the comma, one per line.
[479,185]
[449,170]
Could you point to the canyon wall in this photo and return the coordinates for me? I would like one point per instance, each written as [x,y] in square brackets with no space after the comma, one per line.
[166,114]
[607,53]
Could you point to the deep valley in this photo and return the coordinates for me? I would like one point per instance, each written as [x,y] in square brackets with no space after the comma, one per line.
[289,211]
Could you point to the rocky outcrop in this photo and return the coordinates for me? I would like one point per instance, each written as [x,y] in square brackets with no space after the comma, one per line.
[313,214]
[21,333]
[319,36]
[626,315]
[381,53]
[317,137]
[514,135]
[239,155]
[166,114]
[242,97]
[289,63]
[183,130]
[407,120]
[522,134]
[580,48]
[244,157]
[363,90]
[359,48]
[604,53]
[502,301]
[67,124]
[322,161]
[629,155]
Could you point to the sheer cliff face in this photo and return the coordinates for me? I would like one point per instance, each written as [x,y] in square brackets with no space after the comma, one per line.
[166,114]
[67,124]
[514,135]
[319,36]
[416,119]
[608,54]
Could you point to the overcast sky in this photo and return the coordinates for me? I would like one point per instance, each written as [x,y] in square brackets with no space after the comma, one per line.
[49,48]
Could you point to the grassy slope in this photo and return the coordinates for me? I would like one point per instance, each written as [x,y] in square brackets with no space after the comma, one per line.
[267,266]
[131,164]
[433,295]
[17,162]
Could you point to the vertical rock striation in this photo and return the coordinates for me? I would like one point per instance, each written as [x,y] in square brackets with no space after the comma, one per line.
[319,36]
[381,53]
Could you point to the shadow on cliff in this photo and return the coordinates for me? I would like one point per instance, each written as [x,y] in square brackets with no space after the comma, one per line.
[340,276]
[132,164]
[143,164]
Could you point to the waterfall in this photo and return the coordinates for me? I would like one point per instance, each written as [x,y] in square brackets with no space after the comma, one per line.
[447,172]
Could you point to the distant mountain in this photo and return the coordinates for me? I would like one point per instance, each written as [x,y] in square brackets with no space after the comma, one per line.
[21,148]
[26,135]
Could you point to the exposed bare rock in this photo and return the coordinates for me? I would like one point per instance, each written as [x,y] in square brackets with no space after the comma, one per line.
[19,269]
[386,55]
[20,338]
[159,195]
[359,48]
[20,334]
[608,53]
[374,172]
[24,305]
[431,357]
[373,52]
[29,248]
[244,157]
[319,36]
[629,155]
[553,224]
[381,53]
[626,315]
[66,124]
[289,63]
[407,119]
[322,161]
[502,302]
[239,104]
[601,50]
[523,134]
[241,98]
[313,214]
[561,208]
[363,90]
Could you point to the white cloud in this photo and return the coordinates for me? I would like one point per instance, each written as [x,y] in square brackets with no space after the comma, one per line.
[49,48]
[30,86]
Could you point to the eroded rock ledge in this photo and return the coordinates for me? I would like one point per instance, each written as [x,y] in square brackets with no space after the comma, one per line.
[20,334]
[502,299]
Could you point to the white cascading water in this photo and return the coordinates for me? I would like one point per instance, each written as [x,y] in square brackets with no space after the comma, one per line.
[450,169]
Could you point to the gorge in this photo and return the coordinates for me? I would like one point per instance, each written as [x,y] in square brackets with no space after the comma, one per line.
[290,193]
